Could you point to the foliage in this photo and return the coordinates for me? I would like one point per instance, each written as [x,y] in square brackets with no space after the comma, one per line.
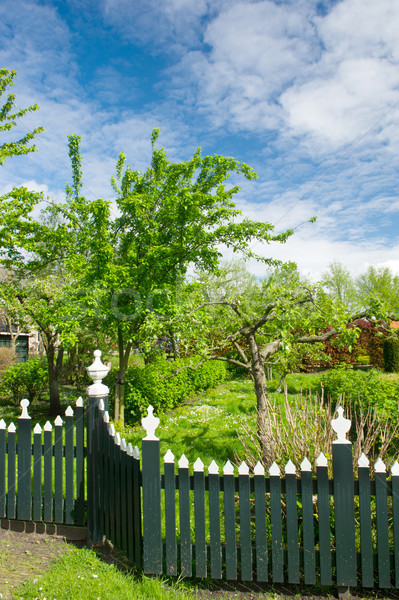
[391,355]
[361,389]
[156,384]
[8,119]
[131,261]
[25,380]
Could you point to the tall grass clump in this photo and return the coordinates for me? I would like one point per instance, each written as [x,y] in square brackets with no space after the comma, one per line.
[301,427]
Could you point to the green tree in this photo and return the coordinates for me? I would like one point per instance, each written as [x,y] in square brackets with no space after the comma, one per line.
[9,114]
[285,317]
[378,286]
[339,283]
[131,261]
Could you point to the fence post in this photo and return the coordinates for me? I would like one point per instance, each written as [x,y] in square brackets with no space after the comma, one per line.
[344,505]
[96,392]
[151,473]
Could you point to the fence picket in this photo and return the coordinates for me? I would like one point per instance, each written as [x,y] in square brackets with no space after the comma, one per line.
[395,511]
[245,522]
[170,514]
[80,469]
[199,519]
[37,473]
[214,520]
[260,523]
[230,521]
[276,525]
[309,560]
[366,543]
[112,505]
[138,545]
[384,579]
[11,513]
[58,471]
[2,468]
[323,509]
[292,523]
[69,495]
[48,472]
[184,518]
[117,490]
[124,499]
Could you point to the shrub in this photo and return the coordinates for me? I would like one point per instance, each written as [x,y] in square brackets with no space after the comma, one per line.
[155,384]
[25,380]
[391,355]
[362,389]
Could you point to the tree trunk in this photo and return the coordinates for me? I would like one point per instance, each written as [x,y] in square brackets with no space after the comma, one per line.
[54,362]
[263,428]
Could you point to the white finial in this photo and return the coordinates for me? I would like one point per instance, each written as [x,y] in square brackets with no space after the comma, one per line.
[136,453]
[305,465]
[2,424]
[341,427]
[106,417]
[69,412]
[380,467]
[150,423]
[111,430]
[169,457]
[24,405]
[274,470]
[363,461]
[123,445]
[198,466]
[259,469]
[395,469]
[37,428]
[183,462]
[118,438]
[97,371]
[290,468]
[130,449]
[79,402]
[47,426]
[228,469]
[321,460]
[243,469]
[11,428]
[58,421]
[101,404]
[213,469]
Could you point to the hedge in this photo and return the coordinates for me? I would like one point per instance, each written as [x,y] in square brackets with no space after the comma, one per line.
[25,380]
[155,384]
[363,389]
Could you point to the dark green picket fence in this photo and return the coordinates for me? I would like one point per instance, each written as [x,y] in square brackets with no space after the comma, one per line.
[42,472]
[180,521]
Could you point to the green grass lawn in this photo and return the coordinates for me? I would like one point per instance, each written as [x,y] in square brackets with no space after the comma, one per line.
[82,575]
[207,426]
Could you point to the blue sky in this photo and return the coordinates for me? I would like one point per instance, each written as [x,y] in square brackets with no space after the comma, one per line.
[305,92]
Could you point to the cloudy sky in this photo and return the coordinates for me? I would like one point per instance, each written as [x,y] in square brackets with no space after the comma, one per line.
[305,92]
